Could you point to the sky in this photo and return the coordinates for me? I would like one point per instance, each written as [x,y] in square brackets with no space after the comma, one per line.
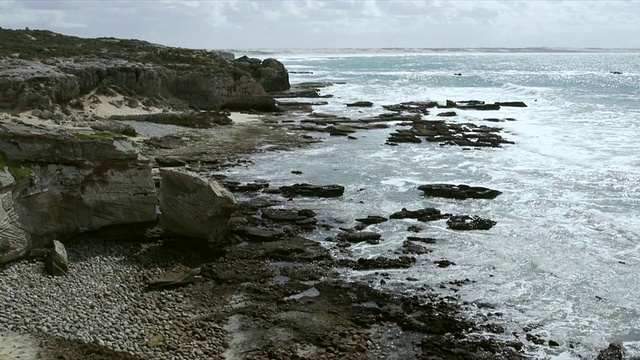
[286,24]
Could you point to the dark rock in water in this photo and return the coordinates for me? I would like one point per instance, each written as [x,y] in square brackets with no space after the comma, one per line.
[409,247]
[553,343]
[613,352]
[362,236]
[301,72]
[57,262]
[457,74]
[414,228]
[616,72]
[270,73]
[402,262]
[340,130]
[287,215]
[361,104]
[297,172]
[236,186]
[466,222]
[422,239]
[447,113]
[460,192]
[427,214]
[444,263]
[493,119]
[403,136]
[257,234]
[467,106]
[312,190]
[372,219]
[453,347]
[512,103]
[416,107]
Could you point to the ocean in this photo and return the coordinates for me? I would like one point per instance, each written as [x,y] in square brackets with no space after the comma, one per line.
[564,257]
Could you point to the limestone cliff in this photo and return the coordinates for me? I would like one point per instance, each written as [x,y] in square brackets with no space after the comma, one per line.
[73,184]
[41,68]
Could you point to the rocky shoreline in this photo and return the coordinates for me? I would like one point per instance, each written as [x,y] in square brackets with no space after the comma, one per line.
[164,262]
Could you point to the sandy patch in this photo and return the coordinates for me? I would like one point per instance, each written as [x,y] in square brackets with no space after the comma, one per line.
[14,346]
[241,118]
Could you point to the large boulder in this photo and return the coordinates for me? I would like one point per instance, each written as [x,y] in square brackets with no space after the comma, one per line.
[65,185]
[269,73]
[195,207]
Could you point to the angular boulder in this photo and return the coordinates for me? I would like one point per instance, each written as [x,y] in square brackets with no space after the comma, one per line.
[57,262]
[459,192]
[195,207]
[66,185]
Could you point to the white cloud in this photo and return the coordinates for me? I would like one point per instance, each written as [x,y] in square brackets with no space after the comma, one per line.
[338,23]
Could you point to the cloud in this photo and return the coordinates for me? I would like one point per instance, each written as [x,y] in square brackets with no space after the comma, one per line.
[338,23]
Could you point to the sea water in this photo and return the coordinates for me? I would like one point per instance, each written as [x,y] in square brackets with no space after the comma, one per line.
[565,253]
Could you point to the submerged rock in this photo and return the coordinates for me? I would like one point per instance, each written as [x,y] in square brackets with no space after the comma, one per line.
[466,222]
[460,192]
[512,104]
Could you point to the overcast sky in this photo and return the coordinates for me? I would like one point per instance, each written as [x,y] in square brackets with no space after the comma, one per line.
[269,24]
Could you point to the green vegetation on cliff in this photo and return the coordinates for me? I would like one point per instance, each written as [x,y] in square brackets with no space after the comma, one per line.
[44,44]
[17,170]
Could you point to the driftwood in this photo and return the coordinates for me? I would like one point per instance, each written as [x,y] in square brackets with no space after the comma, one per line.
[174,278]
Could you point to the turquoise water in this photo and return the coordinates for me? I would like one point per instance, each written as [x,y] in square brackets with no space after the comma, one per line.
[565,252]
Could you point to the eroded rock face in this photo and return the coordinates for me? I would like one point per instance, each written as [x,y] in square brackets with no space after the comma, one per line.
[75,185]
[195,207]
[269,73]
[31,84]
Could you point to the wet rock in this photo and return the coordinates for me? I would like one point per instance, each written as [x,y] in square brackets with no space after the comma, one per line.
[415,228]
[422,239]
[287,215]
[419,107]
[361,104]
[444,263]
[613,352]
[409,247]
[403,136]
[312,190]
[362,236]
[427,214]
[258,234]
[235,186]
[372,219]
[340,130]
[512,104]
[460,192]
[57,262]
[466,222]
[401,262]
[447,114]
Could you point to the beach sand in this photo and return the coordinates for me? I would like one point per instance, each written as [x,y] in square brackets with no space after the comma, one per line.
[15,346]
